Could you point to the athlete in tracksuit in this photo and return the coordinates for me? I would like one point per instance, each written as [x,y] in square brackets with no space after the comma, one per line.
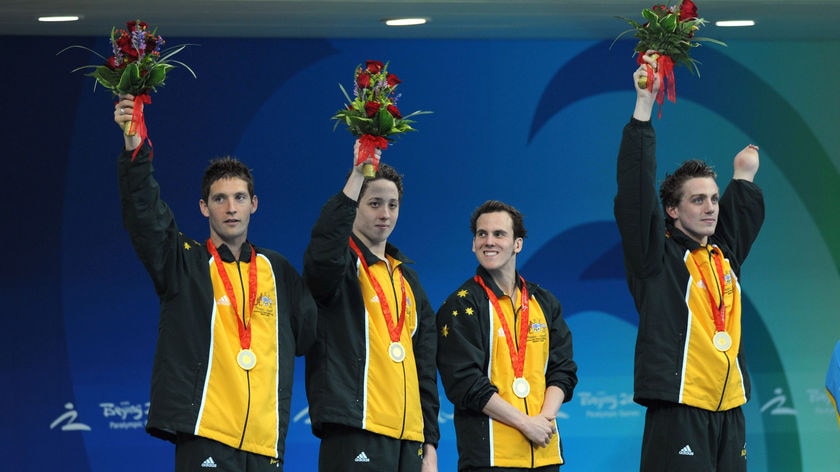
[504,355]
[371,378]
[683,274]
[223,404]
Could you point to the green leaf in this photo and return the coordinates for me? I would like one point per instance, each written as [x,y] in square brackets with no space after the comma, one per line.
[106,76]
[82,47]
[130,80]
[124,84]
[349,100]
[650,15]
[708,40]
[185,67]
[415,113]
[157,75]
[669,23]
[385,121]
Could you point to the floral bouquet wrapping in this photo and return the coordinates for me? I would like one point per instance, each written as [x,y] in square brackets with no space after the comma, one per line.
[669,31]
[137,66]
[372,114]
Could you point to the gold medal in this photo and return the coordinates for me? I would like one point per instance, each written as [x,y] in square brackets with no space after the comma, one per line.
[396,351]
[521,387]
[246,359]
[722,341]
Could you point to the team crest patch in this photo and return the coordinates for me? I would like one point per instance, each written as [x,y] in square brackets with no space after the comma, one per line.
[265,305]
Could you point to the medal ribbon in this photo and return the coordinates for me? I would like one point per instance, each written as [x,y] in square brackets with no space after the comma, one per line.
[244,325]
[393,330]
[719,311]
[517,356]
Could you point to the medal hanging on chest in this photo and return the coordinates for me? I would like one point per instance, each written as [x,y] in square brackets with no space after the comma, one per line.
[396,351]
[521,387]
[246,357]
[721,340]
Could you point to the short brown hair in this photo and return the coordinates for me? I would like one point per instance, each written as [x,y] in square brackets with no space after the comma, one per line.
[670,192]
[225,168]
[493,206]
[388,173]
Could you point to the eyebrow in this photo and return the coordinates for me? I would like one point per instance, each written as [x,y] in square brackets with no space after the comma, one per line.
[225,194]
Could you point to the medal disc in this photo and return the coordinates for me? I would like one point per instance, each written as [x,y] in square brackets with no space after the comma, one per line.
[722,341]
[521,387]
[246,359]
[396,351]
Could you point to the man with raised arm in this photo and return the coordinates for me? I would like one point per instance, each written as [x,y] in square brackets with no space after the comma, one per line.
[683,254]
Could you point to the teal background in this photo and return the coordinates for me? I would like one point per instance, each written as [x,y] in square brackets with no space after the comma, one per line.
[534,123]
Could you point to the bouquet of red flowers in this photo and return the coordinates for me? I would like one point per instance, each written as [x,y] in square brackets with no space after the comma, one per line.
[669,30]
[137,66]
[372,114]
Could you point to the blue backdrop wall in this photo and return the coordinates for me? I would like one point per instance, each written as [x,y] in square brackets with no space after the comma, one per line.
[534,123]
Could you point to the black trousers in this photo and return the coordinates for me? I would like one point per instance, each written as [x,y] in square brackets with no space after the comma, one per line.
[547,468]
[687,439]
[345,449]
[197,454]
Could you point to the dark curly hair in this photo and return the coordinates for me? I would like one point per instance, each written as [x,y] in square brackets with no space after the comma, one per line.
[388,173]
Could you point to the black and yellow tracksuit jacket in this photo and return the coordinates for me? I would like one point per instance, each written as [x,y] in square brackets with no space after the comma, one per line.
[197,386]
[350,379]
[474,363]
[675,360]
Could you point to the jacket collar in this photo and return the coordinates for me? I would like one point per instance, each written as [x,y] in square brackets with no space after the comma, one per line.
[488,280]
[682,239]
[227,255]
[390,250]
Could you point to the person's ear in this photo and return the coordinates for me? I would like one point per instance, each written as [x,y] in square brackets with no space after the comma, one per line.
[202,205]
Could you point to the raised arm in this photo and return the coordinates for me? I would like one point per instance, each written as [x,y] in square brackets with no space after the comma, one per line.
[328,251]
[741,206]
[636,206]
[147,218]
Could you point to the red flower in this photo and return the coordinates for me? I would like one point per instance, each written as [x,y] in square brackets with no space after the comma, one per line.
[374,67]
[371,108]
[394,111]
[392,80]
[134,25]
[363,80]
[112,63]
[688,10]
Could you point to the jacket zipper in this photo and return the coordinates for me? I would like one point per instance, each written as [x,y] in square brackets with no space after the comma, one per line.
[721,291]
[247,373]
[404,380]
[516,343]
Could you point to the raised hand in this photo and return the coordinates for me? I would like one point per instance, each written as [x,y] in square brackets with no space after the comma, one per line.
[746,163]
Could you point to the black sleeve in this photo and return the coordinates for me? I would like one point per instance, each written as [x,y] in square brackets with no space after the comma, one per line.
[741,217]
[425,348]
[561,370]
[304,313]
[462,349]
[636,206]
[328,253]
[149,220]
